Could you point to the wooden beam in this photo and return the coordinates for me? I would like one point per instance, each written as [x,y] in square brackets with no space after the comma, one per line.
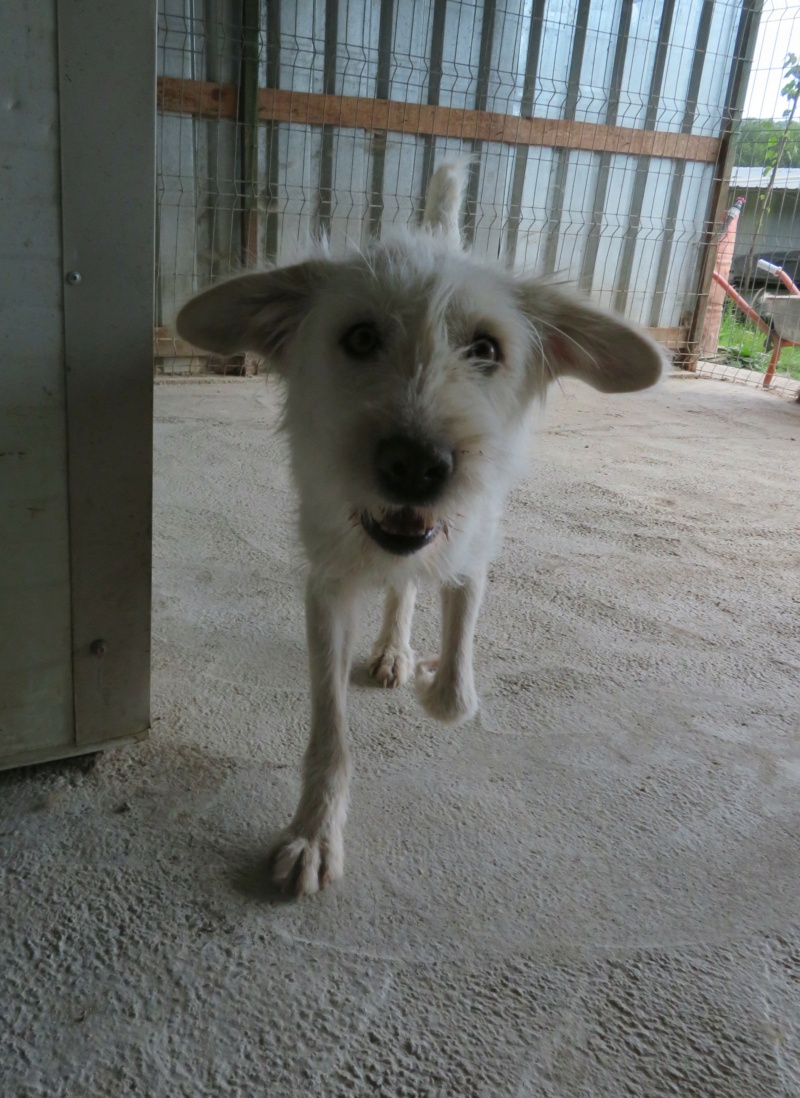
[197,97]
[668,337]
[249,121]
[167,344]
[206,100]
[743,52]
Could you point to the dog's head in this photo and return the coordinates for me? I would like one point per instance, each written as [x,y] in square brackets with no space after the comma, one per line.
[409,370]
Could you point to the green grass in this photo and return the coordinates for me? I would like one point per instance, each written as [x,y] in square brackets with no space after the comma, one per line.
[743,344]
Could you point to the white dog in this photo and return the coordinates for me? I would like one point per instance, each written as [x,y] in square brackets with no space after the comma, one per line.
[408,368]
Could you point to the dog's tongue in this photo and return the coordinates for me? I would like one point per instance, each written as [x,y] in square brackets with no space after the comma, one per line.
[406,522]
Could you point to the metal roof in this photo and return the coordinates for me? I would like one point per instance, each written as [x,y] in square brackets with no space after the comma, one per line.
[751,179]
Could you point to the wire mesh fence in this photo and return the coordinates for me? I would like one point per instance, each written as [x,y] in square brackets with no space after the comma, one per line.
[599,131]
[759,253]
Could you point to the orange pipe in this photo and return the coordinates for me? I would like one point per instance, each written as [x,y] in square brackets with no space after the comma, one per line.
[778,343]
[779,272]
[773,362]
[787,281]
[741,303]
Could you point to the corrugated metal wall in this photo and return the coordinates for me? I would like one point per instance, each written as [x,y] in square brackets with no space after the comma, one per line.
[628,228]
[779,229]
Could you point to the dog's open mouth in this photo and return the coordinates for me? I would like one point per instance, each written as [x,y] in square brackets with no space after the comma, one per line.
[401,530]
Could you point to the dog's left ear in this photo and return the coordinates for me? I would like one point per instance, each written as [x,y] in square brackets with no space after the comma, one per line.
[579,340]
[256,312]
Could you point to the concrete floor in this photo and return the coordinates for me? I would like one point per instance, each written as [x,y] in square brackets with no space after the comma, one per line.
[591,890]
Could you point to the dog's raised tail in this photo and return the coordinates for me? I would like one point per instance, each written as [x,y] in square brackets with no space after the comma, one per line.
[445,197]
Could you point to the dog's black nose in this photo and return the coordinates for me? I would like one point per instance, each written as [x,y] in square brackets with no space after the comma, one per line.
[410,471]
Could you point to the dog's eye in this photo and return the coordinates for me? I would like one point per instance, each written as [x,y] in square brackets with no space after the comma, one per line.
[486,350]
[361,340]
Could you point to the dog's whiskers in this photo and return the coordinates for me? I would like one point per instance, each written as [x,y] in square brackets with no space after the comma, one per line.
[582,348]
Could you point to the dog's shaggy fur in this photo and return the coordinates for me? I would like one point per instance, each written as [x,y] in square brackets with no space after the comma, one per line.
[409,368]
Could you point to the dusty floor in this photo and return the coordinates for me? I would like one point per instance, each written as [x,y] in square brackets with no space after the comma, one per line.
[591,890]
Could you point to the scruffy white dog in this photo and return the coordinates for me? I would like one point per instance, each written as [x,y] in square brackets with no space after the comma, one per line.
[409,369]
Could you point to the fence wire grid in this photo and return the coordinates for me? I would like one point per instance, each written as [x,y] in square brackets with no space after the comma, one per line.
[600,136]
[765,183]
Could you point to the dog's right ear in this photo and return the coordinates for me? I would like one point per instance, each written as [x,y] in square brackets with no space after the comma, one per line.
[256,312]
[577,339]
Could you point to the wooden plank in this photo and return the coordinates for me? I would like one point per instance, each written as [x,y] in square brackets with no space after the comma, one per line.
[196,97]
[109,379]
[689,353]
[167,343]
[249,123]
[742,54]
[206,100]
[36,755]
[35,643]
[668,337]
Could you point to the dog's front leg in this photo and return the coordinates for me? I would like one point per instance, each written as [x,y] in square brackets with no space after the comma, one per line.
[446,684]
[310,853]
[392,660]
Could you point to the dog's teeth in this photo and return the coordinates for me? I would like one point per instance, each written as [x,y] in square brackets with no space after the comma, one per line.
[406,522]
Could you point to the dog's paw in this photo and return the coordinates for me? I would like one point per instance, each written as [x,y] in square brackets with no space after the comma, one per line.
[443,697]
[299,865]
[392,667]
